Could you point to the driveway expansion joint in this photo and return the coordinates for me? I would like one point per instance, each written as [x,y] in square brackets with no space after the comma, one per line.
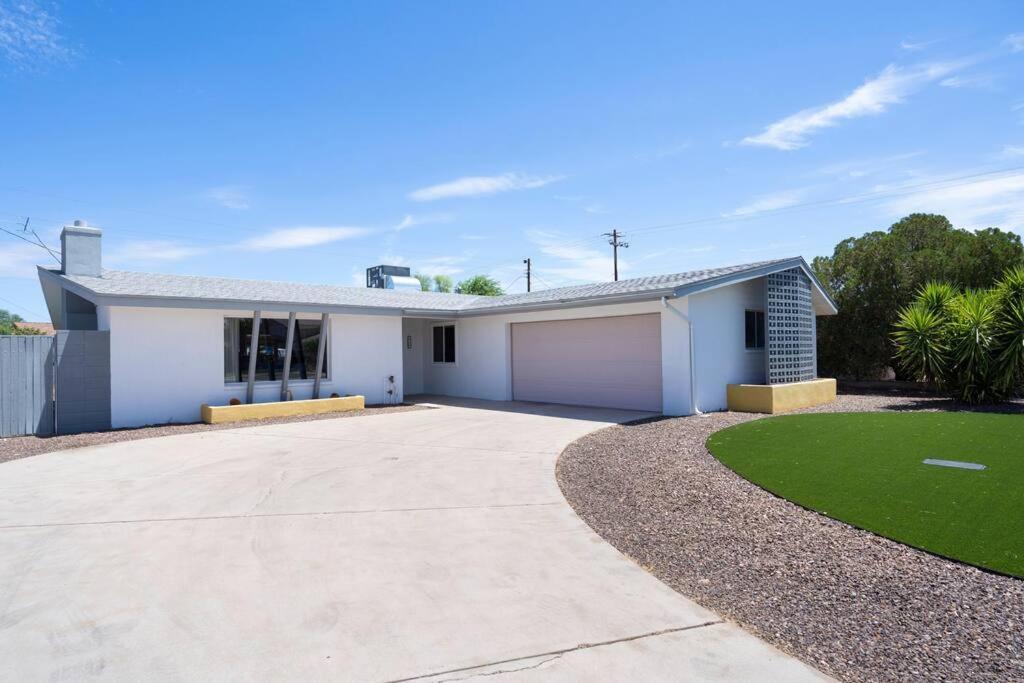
[326,513]
[549,656]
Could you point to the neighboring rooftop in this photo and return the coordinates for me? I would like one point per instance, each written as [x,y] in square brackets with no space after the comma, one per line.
[125,288]
[45,328]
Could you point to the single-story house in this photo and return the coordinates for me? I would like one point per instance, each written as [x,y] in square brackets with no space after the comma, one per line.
[666,343]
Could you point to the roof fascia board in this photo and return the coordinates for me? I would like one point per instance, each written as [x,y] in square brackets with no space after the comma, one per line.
[761,271]
[735,278]
[650,295]
[73,287]
[241,304]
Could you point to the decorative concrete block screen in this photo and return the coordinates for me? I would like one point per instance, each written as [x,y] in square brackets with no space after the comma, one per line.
[790,322]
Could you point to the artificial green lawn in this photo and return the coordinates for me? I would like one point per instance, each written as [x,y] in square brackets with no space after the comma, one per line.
[865,469]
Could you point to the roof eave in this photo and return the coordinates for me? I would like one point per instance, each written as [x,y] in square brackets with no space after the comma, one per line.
[649,295]
[827,307]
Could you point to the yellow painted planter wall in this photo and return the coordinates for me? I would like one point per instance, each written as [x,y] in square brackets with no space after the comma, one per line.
[779,398]
[257,411]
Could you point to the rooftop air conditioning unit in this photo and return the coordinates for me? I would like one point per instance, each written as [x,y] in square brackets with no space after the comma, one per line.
[402,282]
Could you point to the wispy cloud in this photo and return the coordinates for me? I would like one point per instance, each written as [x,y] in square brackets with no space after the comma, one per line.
[442,265]
[588,206]
[30,37]
[18,259]
[150,251]
[1015,41]
[432,265]
[305,236]
[915,45]
[666,152]
[980,203]
[474,186]
[572,262]
[473,237]
[972,81]
[1012,151]
[230,196]
[874,97]
[860,168]
[774,249]
[768,202]
[409,221]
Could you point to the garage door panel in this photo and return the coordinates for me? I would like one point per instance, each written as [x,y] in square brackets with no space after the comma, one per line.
[613,362]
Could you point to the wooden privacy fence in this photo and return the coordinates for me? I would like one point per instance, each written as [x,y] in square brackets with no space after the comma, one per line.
[54,385]
[26,385]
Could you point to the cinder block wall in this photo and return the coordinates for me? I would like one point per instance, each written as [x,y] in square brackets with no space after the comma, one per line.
[83,381]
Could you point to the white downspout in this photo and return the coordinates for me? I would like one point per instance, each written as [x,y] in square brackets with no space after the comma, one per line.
[694,410]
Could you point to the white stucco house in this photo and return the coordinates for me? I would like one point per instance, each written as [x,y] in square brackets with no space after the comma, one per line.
[667,343]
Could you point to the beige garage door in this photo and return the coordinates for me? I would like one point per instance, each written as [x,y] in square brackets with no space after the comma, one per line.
[609,362]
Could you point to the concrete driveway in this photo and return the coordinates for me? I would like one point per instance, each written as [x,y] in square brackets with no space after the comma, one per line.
[425,545]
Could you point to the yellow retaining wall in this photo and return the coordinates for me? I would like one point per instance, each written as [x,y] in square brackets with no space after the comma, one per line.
[779,398]
[257,411]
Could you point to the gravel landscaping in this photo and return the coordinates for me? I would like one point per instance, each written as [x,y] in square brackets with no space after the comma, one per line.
[857,606]
[24,446]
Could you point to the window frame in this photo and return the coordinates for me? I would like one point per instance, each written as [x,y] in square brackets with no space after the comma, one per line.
[760,330]
[233,385]
[455,343]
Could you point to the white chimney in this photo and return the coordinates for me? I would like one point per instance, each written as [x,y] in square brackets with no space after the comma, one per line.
[80,250]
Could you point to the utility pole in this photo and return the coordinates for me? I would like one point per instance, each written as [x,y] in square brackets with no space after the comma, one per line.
[616,243]
[527,262]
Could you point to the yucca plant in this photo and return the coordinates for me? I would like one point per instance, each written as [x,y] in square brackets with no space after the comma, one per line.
[1010,335]
[921,342]
[1010,342]
[970,344]
[971,333]
[936,296]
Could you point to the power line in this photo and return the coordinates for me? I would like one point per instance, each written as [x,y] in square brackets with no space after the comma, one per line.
[543,281]
[33,243]
[27,310]
[509,285]
[944,183]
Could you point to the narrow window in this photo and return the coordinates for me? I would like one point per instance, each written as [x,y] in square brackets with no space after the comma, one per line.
[754,330]
[449,343]
[438,344]
[444,343]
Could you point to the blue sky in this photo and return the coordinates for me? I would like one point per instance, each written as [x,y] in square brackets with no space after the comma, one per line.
[260,140]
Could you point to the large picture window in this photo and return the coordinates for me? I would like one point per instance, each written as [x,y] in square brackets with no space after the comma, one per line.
[755,330]
[270,350]
[444,343]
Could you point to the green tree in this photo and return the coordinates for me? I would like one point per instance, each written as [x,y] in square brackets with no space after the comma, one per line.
[968,343]
[480,285]
[424,281]
[7,324]
[442,283]
[875,276]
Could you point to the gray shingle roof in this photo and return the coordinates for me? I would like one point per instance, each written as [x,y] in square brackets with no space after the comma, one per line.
[638,285]
[124,286]
[123,283]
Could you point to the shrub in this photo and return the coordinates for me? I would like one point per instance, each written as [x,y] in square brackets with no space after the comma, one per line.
[969,344]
